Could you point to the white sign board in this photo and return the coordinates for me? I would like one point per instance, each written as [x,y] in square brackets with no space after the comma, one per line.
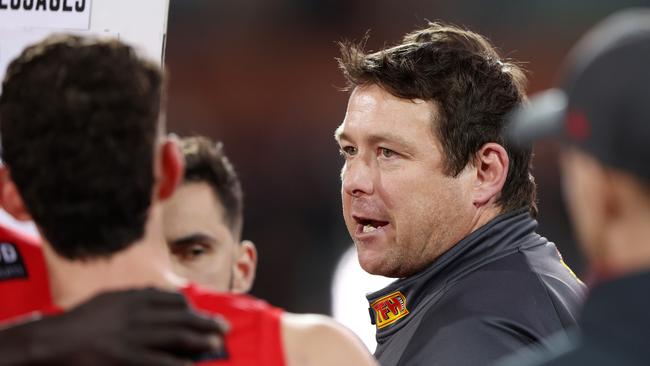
[62,14]
[141,23]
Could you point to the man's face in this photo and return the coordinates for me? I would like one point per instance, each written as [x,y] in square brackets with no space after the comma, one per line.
[584,186]
[401,210]
[203,247]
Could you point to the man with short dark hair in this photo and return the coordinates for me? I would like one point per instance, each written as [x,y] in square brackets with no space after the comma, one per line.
[601,114]
[433,194]
[203,221]
[163,321]
[87,158]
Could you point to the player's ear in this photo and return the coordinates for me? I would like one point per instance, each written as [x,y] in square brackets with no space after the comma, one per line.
[172,168]
[10,197]
[244,267]
[491,173]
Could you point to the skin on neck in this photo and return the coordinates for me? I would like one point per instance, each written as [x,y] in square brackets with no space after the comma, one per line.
[485,214]
[488,175]
[146,263]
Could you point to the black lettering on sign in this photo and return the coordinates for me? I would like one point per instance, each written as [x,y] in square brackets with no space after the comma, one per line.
[11,263]
[79,6]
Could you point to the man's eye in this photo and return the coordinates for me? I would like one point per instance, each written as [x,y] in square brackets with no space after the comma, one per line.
[348,150]
[191,252]
[196,250]
[387,153]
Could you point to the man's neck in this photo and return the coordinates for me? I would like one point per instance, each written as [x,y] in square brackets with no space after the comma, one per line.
[146,263]
[484,215]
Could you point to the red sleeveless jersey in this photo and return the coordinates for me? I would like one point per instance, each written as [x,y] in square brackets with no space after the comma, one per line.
[255,326]
[255,336]
[24,286]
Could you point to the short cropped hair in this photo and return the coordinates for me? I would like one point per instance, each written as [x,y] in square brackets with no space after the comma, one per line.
[205,161]
[79,123]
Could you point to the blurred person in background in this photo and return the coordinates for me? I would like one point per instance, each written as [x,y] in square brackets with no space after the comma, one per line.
[23,274]
[435,196]
[83,139]
[203,221]
[601,113]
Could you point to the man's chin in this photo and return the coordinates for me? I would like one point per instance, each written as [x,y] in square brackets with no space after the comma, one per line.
[376,264]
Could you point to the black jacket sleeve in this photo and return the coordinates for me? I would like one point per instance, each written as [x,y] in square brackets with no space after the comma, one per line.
[467,342]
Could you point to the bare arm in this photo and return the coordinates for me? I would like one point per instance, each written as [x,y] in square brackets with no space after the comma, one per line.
[314,340]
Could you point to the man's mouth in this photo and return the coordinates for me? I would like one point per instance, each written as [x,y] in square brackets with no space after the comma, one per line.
[367,225]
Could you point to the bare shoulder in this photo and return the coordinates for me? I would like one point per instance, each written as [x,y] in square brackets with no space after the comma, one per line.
[318,340]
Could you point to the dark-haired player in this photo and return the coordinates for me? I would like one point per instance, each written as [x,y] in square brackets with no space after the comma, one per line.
[203,221]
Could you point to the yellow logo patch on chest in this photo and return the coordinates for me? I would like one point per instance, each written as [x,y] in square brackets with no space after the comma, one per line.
[389,309]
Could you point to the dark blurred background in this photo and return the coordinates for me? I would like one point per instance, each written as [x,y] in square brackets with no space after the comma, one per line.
[261,76]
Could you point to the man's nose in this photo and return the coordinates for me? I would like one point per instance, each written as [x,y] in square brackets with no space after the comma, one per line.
[357,178]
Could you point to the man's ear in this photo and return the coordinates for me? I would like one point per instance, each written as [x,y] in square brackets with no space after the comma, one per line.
[172,168]
[491,172]
[10,198]
[244,267]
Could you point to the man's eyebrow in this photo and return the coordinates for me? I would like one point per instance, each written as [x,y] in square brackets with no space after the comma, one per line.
[387,137]
[374,138]
[338,134]
[191,239]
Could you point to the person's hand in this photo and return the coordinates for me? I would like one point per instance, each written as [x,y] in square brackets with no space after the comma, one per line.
[134,327]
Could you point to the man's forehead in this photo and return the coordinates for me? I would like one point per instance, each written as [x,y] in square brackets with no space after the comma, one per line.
[374,96]
[372,137]
[389,129]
